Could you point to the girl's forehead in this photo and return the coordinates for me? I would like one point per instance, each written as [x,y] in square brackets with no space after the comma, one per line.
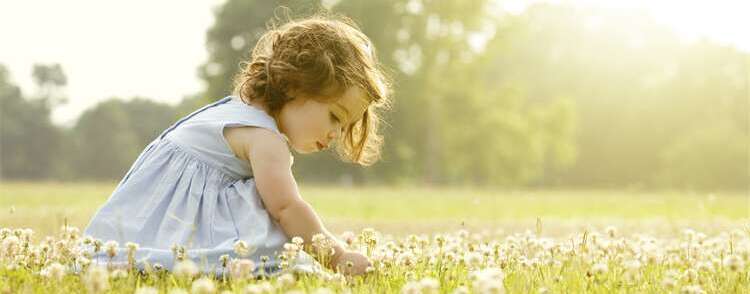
[351,106]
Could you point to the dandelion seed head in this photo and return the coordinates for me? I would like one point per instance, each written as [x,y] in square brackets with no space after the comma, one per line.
[691,289]
[298,240]
[96,279]
[242,268]
[54,271]
[286,280]
[600,268]
[147,290]
[177,291]
[733,263]
[132,246]
[185,269]
[203,285]
[429,285]
[411,287]
[241,248]
[10,245]
[118,274]
[323,290]
[111,248]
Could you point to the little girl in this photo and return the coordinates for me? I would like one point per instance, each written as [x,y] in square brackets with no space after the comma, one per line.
[221,175]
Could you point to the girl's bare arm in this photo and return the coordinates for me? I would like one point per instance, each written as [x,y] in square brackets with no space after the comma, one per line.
[271,163]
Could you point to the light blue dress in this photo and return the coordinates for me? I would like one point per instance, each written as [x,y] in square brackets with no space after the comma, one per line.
[188,188]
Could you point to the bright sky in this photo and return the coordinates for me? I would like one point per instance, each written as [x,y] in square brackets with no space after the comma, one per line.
[153,48]
[107,48]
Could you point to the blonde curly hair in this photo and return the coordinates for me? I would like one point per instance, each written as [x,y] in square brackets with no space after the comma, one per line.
[320,56]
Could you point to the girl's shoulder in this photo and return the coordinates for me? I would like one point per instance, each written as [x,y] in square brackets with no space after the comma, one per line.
[243,140]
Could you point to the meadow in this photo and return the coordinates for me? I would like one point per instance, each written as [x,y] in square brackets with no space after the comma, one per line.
[427,240]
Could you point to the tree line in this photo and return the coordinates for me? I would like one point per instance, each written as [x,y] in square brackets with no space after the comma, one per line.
[556,96]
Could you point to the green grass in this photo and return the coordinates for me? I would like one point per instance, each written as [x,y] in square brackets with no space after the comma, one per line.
[45,206]
[531,217]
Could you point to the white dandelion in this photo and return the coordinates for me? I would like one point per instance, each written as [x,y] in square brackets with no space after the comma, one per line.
[429,285]
[241,248]
[147,290]
[185,269]
[111,248]
[286,280]
[733,262]
[96,279]
[177,291]
[599,269]
[54,271]
[203,286]
[242,268]
[411,287]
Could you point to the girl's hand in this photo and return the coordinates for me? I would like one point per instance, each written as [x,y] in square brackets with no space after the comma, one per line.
[351,263]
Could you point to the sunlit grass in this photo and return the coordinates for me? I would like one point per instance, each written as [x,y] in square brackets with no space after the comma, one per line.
[46,206]
[546,241]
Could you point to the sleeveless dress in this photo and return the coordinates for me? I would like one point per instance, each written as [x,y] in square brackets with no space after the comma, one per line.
[188,188]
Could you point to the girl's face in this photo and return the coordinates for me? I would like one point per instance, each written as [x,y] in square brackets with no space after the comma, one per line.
[312,126]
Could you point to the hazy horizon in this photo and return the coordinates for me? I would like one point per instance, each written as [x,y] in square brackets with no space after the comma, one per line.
[106,52]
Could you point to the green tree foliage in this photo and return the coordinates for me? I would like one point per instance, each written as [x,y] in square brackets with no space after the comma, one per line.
[28,139]
[558,95]
[427,44]
[637,89]
[713,156]
[239,25]
[49,79]
[109,137]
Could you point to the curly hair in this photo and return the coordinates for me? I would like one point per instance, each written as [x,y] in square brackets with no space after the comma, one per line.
[320,56]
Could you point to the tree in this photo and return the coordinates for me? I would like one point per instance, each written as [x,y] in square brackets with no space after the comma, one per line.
[239,25]
[109,137]
[50,79]
[28,139]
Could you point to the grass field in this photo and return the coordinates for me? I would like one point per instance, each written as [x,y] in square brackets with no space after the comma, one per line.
[539,238]
[44,207]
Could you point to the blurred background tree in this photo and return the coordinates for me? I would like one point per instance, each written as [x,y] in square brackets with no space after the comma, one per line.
[108,137]
[554,96]
[28,137]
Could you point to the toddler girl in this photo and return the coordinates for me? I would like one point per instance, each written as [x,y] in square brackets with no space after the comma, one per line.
[220,178]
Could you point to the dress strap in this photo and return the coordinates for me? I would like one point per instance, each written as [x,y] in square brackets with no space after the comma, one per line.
[220,101]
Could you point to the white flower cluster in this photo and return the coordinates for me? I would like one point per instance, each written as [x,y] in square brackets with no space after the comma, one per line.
[461,262]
